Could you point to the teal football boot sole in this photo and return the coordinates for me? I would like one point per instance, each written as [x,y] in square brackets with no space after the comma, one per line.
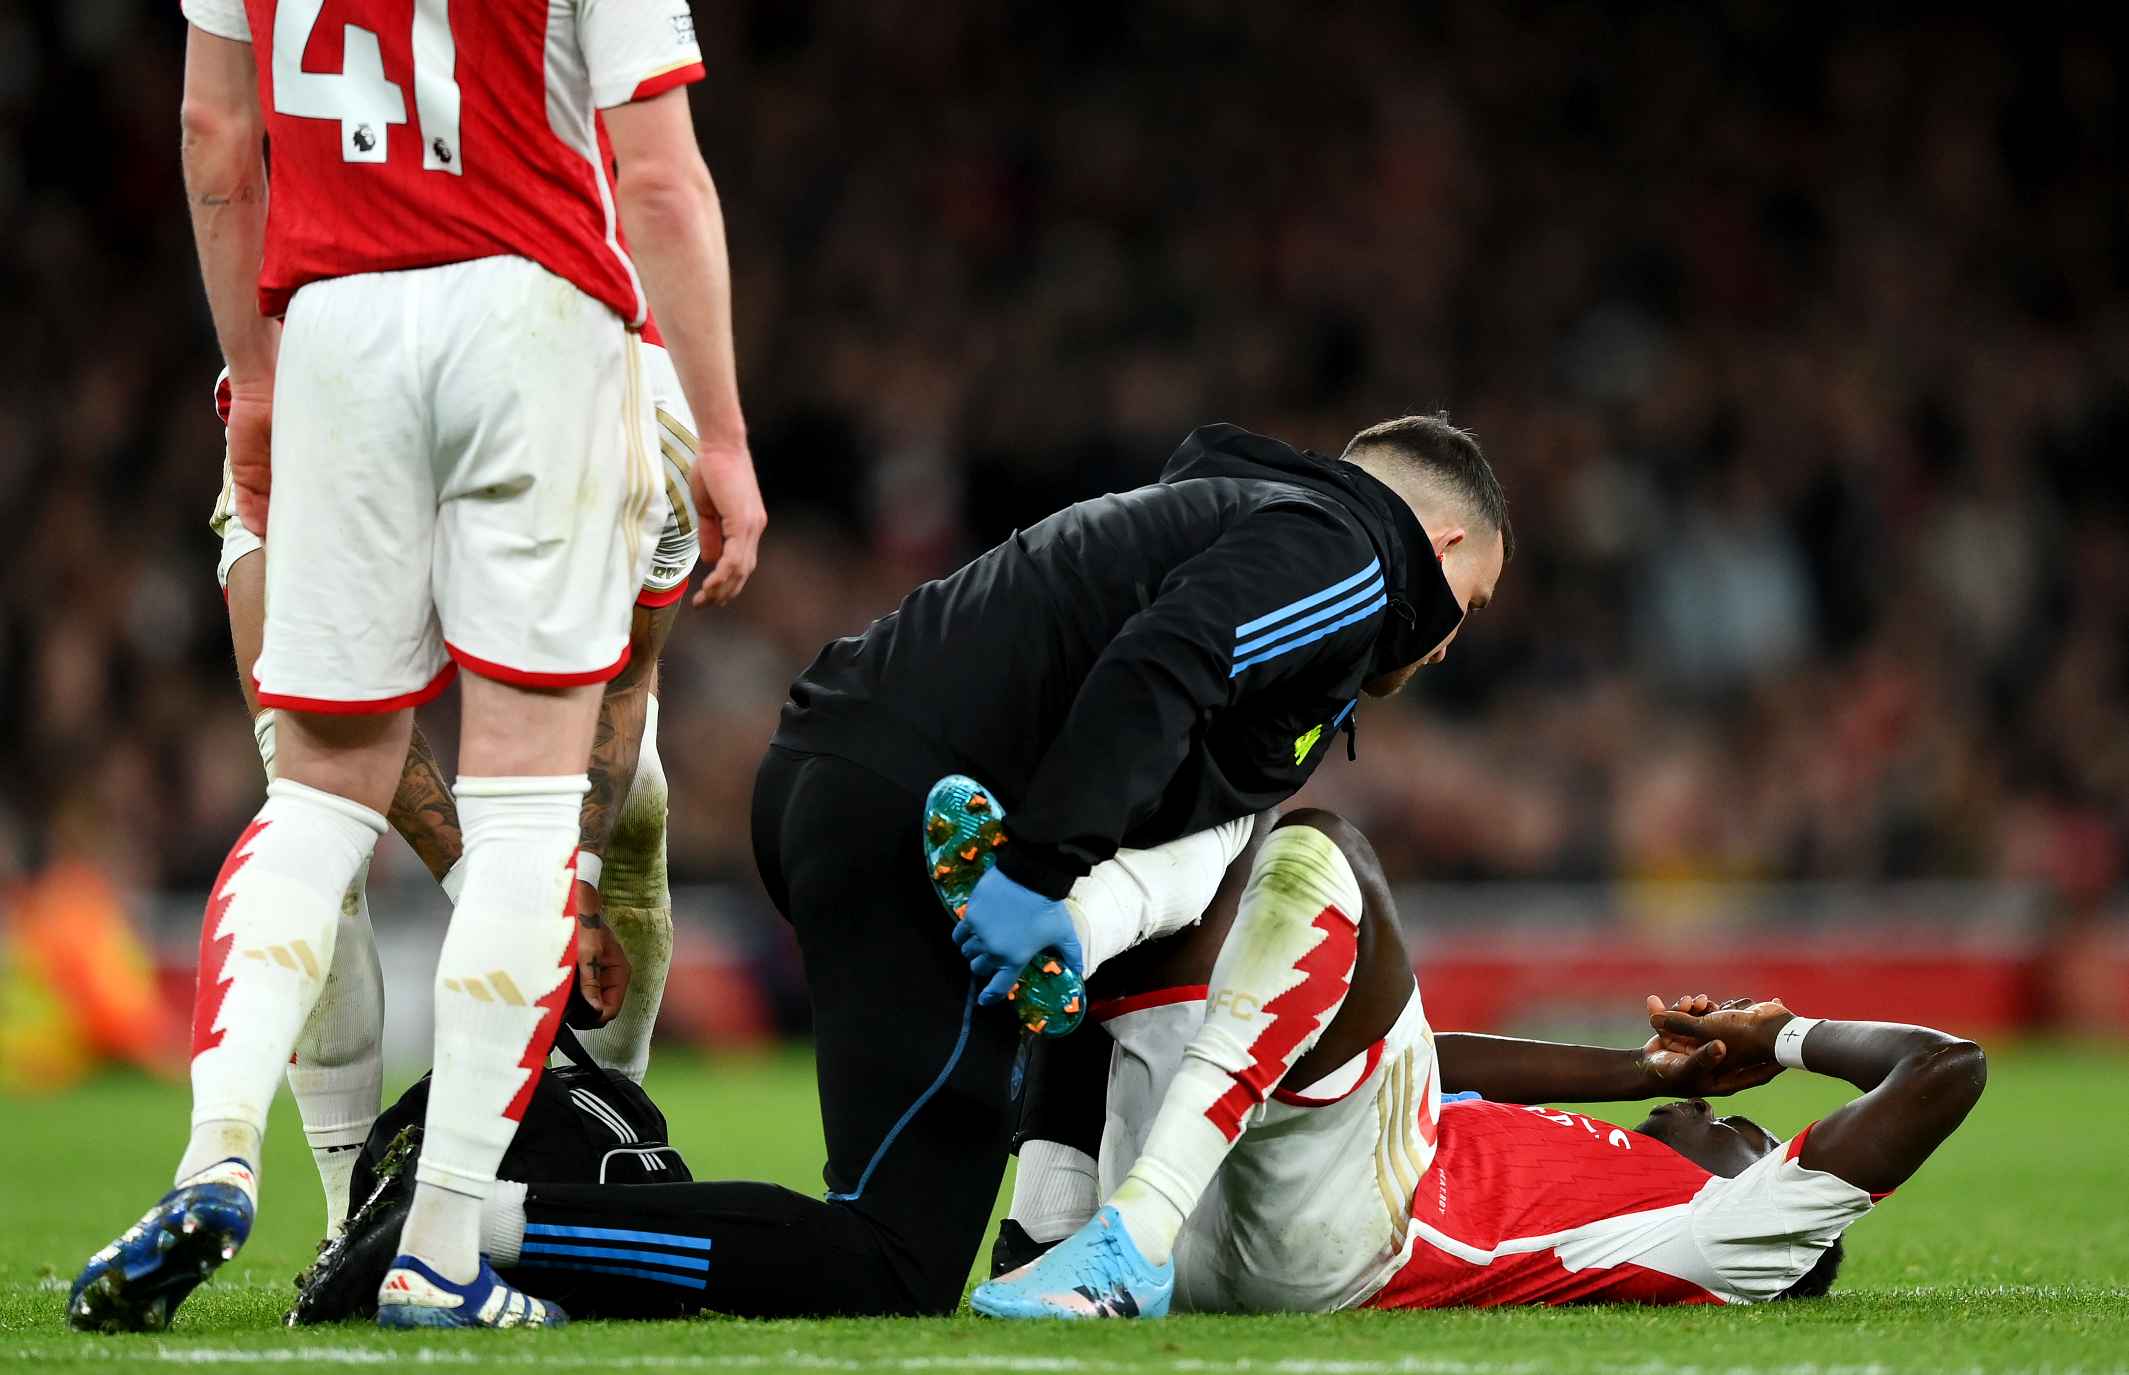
[964,828]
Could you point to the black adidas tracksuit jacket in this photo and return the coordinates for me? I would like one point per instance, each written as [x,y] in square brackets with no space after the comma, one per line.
[1145,664]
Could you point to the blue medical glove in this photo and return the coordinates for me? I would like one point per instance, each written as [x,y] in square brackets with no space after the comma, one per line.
[1008,925]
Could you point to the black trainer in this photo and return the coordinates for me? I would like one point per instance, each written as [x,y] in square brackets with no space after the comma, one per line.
[341,1284]
[1014,1248]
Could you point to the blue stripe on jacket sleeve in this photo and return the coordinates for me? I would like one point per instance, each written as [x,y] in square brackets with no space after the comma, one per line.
[1249,647]
[1341,623]
[1247,628]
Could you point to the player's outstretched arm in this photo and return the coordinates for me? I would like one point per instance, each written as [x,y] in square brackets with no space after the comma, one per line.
[1919,1084]
[222,148]
[1506,1069]
[676,233]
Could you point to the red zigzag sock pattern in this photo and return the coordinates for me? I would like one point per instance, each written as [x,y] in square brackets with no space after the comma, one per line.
[1326,973]
[534,1061]
[213,984]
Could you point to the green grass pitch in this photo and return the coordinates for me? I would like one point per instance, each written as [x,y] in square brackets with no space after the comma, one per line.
[2009,1252]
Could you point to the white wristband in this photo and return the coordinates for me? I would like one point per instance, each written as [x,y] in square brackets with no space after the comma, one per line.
[454,880]
[589,868]
[1789,1043]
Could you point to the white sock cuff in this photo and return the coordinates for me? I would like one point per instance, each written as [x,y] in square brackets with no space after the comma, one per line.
[492,810]
[503,1222]
[346,1137]
[573,784]
[1306,863]
[288,790]
[1055,1191]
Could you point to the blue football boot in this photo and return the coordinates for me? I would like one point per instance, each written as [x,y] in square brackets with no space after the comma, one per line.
[1097,1272]
[413,1295]
[964,826]
[137,1282]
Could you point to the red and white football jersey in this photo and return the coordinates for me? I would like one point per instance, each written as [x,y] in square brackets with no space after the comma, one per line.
[413,133]
[1538,1205]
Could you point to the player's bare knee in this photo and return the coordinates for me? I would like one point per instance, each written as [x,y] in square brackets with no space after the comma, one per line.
[1349,843]
[358,756]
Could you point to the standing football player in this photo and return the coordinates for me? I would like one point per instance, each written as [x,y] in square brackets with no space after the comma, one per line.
[624,946]
[451,422]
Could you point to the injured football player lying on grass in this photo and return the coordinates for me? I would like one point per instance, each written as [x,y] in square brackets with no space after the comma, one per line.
[1284,1132]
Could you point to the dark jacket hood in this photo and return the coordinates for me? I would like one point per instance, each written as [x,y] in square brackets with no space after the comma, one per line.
[1422,609]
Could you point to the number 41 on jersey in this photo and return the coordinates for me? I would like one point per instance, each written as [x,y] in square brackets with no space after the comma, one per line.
[360,96]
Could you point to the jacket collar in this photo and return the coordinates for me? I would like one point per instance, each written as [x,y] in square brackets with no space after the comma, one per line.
[1422,609]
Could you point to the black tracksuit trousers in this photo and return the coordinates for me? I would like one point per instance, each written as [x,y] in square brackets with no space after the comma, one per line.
[916,1090]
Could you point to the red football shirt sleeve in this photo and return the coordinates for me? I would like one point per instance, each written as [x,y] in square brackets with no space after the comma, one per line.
[636,49]
[222,18]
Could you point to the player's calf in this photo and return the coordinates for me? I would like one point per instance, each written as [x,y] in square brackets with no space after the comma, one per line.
[638,904]
[501,981]
[337,1072]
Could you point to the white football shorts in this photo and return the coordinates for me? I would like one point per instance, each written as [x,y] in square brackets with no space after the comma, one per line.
[462,479]
[1312,1210]
[671,441]
[672,449]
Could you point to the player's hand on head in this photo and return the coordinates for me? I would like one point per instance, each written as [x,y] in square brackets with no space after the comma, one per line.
[729,500]
[1745,1028]
[1006,926]
[1689,1069]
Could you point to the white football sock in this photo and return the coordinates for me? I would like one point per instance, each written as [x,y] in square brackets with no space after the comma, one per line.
[1141,895]
[503,1222]
[501,981]
[1055,1190]
[638,905]
[337,1075]
[1281,976]
[265,945]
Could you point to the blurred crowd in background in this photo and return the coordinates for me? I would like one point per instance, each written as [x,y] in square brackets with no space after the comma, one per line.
[1801,345]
